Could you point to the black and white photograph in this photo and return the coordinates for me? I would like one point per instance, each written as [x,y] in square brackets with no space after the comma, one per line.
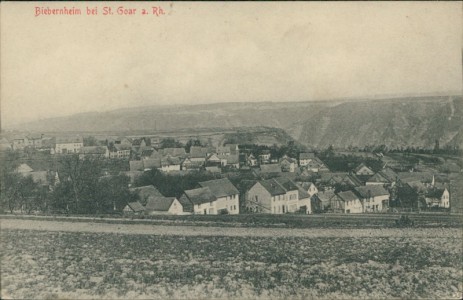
[231,150]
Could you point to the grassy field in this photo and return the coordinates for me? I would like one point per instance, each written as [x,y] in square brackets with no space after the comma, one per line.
[77,265]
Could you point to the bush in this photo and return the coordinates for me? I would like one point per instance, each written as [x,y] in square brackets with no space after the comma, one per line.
[404,221]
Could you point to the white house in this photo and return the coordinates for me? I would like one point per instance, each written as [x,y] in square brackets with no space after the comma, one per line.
[65,145]
[438,198]
[346,202]
[212,198]
[374,198]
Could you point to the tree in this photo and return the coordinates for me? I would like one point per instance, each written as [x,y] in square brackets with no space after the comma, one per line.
[190,143]
[170,143]
[113,194]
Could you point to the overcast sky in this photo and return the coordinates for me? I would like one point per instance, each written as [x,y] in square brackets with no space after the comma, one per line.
[217,52]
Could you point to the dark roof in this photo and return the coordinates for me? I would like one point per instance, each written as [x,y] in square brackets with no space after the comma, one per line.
[200,195]
[325,195]
[145,192]
[378,177]
[286,183]
[174,152]
[302,193]
[159,203]
[220,187]
[197,152]
[347,196]
[371,190]
[270,168]
[151,163]
[233,159]
[435,193]
[306,155]
[136,206]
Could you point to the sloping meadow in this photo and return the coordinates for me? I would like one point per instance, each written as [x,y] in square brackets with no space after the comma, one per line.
[41,264]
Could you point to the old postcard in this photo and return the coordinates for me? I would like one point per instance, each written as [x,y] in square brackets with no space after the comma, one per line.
[231,150]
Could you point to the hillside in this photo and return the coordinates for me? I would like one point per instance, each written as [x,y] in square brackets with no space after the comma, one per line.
[408,121]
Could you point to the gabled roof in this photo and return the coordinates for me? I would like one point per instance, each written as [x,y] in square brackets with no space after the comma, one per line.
[213,157]
[233,159]
[352,180]
[223,149]
[159,203]
[272,187]
[325,195]
[389,174]
[147,152]
[197,152]
[220,187]
[151,163]
[287,159]
[286,183]
[200,195]
[302,193]
[371,190]
[435,193]
[361,166]
[24,168]
[378,177]
[170,161]
[270,168]
[136,206]
[178,152]
[145,192]
[307,185]
[347,196]
[306,155]
[121,147]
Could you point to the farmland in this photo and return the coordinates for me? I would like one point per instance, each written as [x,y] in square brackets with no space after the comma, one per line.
[326,263]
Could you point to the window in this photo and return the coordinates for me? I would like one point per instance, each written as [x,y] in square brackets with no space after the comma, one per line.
[234,207]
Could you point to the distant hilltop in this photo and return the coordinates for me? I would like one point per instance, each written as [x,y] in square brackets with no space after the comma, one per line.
[406,121]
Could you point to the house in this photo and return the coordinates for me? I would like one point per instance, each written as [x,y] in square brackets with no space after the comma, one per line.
[384,177]
[170,163]
[346,202]
[310,188]
[23,168]
[304,201]
[152,163]
[123,141]
[67,145]
[234,148]
[374,198]
[20,142]
[163,205]
[438,197]
[145,192]
[174,152]
[214,160]
[198,154]
[187,164]
[199,201]
[325,198]
[264,157]
[251,160]
[288,164]
[363,170]
[305,158]
[94,151]
[134,208]
[226,193]
[275,196]
[316,165]
[119,151]
[35,140]
[223,150]
[231,160]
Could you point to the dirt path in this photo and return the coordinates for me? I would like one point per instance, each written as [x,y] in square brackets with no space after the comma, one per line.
[223,231]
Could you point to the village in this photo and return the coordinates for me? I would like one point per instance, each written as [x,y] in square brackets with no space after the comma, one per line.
[152,175]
